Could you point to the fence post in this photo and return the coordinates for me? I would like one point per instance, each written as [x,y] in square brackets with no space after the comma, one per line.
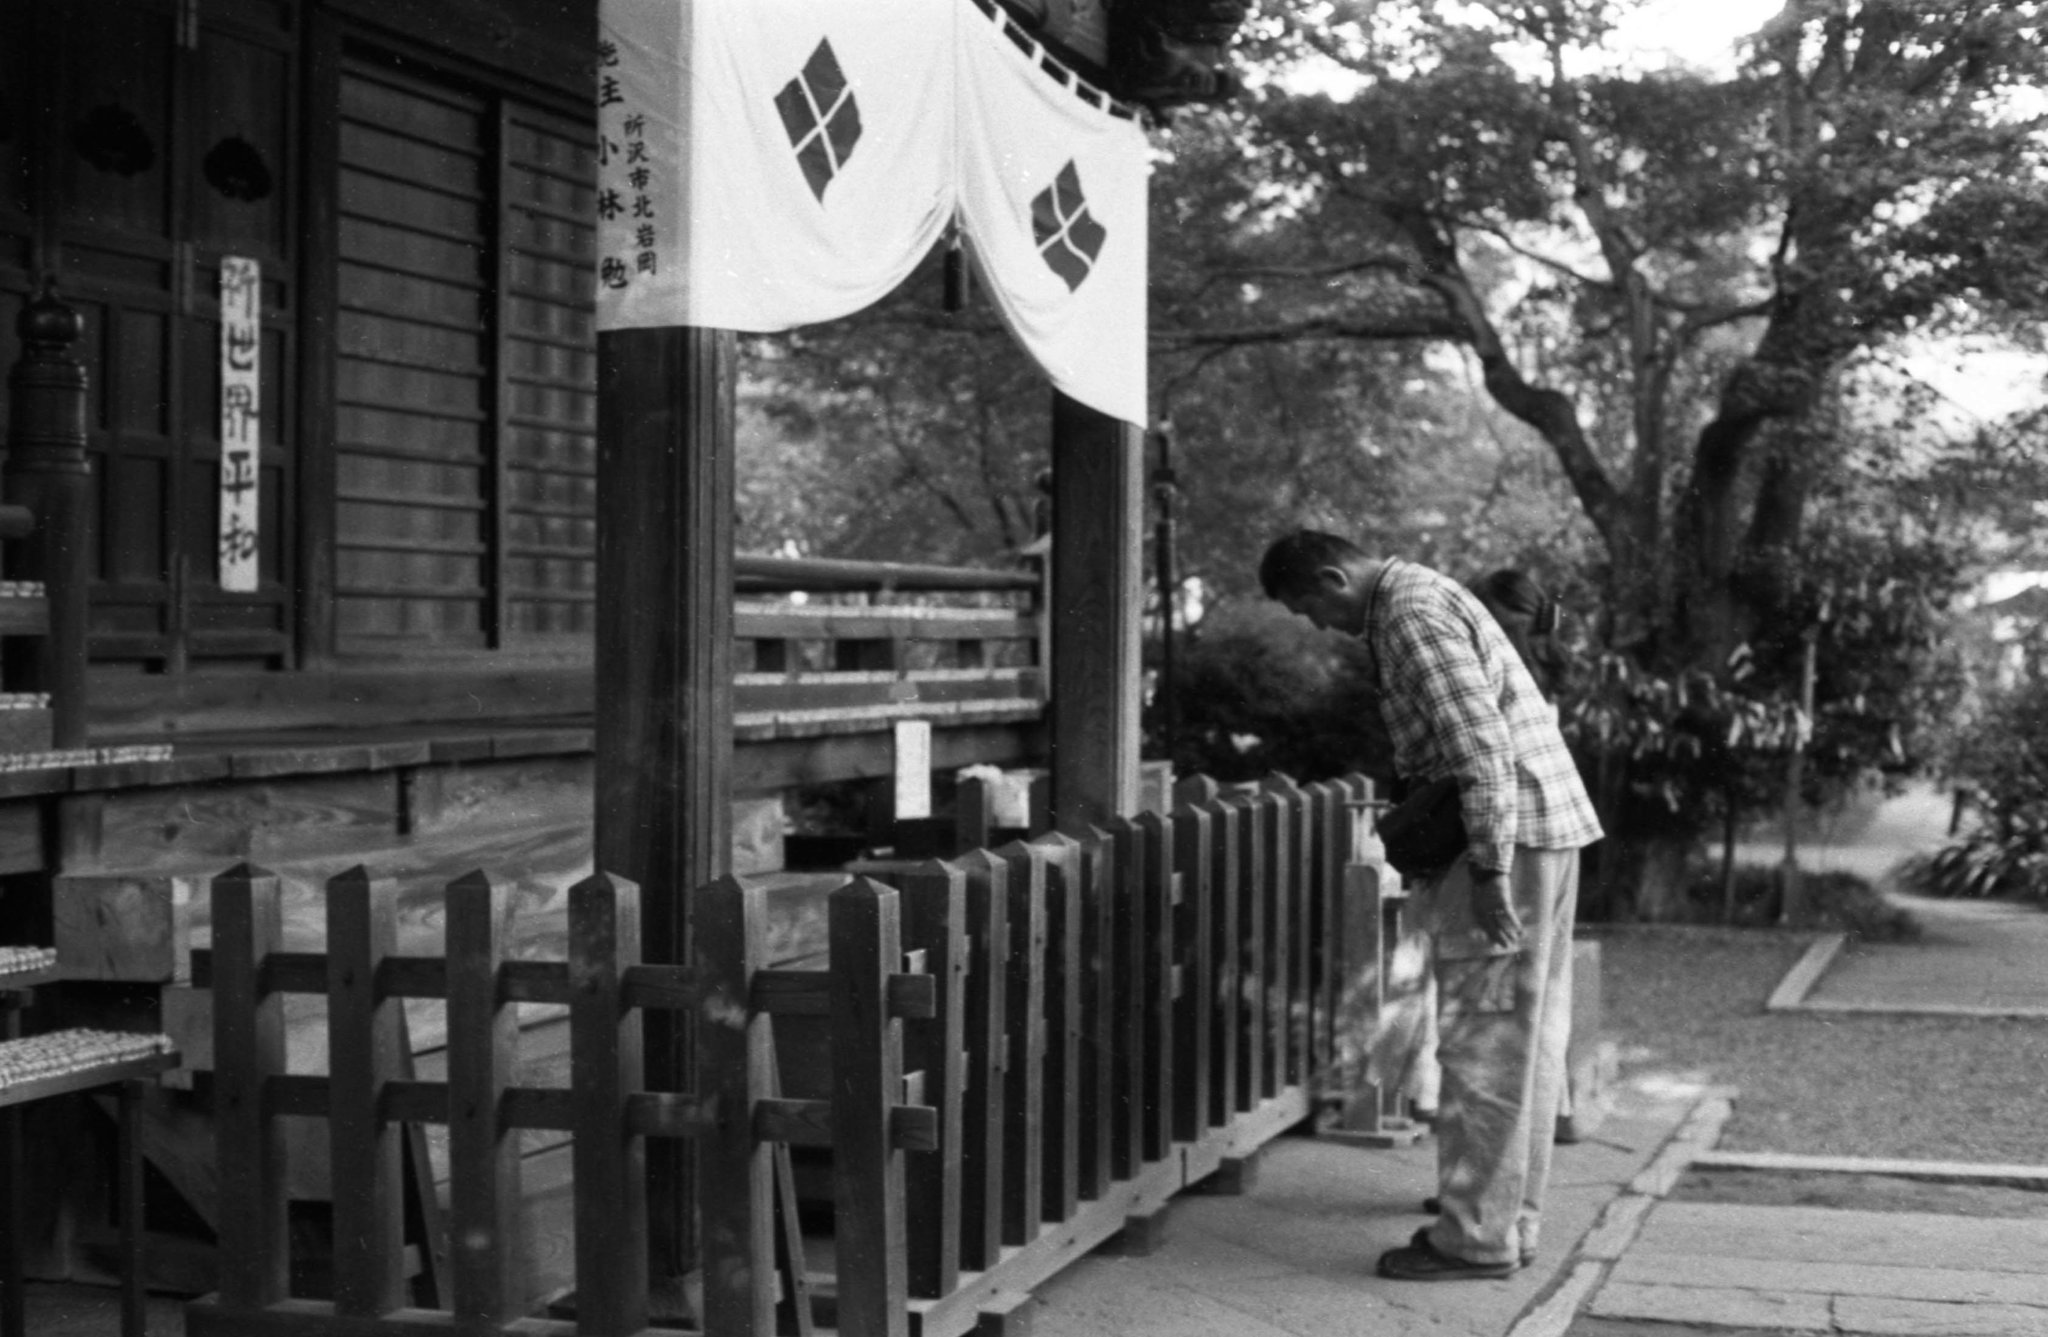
[606,1066]
[1194,969]
[1296,816]
[1276,862]
[483,1153]
[867,1083]
[363,1038]
[736,1057]
[1376,1052]
[974,815]
[1124,963]
[1154,1025]
[1226,960]
[1250,997]
[248,1050]
[934,897]
[1331,847]
[1097,1044]
[1024,1045]
[1062,1076]
[981,1139]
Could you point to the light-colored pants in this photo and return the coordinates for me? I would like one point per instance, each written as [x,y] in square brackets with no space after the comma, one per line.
[1503,1024]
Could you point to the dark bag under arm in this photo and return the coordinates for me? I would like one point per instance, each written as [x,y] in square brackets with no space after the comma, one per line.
[1425,832]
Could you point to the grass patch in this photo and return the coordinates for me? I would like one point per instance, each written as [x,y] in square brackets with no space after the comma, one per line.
[1689,1002]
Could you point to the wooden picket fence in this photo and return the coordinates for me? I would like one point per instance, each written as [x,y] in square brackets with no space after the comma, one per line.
[1032,1049]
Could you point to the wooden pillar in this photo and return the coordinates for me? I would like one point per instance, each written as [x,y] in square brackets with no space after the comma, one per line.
[664,673]
[48,473]
[1097,518]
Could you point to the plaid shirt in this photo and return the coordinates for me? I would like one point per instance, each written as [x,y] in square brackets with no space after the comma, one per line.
[1458,701]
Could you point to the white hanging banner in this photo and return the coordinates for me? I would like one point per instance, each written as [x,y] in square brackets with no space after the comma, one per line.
[241,405]
[766,164]
[1053,195]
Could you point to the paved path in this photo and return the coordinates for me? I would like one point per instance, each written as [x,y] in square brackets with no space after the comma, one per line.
[1817,1269]
[1294,1257]
[1870,840]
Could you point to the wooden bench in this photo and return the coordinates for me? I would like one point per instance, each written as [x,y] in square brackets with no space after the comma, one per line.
[58,1063]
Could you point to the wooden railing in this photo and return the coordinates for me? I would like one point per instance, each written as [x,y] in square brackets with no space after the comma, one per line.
[863,644]
[1031,1049]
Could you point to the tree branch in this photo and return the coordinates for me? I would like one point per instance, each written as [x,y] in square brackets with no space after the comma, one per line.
[1549,411]
[1698,319]
[1392,264]
[1420,325]
[1502,236]
[991,486]
[1171,386]
[1399,264]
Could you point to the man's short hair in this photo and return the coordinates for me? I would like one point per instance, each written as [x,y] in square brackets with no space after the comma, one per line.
[1290,564]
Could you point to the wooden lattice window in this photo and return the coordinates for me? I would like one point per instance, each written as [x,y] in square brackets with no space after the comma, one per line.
[465,452]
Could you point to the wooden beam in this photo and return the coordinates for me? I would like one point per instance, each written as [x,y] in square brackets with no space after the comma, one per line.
[1096,514]
[664,670]
[319,349]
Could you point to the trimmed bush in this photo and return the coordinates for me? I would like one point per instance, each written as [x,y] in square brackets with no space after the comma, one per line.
[2004,854]
[1835,899]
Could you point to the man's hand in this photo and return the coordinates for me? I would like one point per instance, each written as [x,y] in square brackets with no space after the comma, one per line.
[1493,912]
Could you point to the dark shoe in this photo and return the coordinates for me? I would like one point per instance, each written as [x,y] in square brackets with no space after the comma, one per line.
[1435,1207]
[1421,1237]
[1423,1261]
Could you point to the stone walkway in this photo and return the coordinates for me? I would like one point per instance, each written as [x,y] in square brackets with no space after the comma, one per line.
[1729,1267]
[1294,1256]
[1816,1269]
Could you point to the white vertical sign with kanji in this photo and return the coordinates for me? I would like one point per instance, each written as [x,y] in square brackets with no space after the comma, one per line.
[913,768]
[241,363]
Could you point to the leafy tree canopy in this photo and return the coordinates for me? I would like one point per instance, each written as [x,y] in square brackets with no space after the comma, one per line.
[1658,273]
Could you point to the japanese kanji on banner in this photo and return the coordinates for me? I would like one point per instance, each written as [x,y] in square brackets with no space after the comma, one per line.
[241,405]
[766,164]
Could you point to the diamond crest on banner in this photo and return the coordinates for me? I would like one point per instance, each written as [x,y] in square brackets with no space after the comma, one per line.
[1068,236]
[822,117]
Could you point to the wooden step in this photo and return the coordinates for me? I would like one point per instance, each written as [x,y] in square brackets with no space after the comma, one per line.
[55,1063]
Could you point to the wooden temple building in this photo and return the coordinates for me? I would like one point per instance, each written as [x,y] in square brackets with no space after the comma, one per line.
[445,581]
